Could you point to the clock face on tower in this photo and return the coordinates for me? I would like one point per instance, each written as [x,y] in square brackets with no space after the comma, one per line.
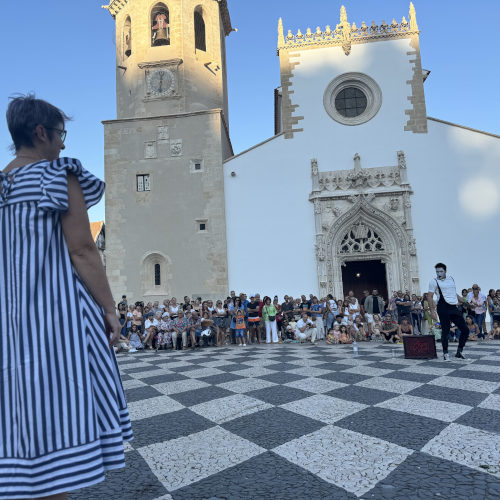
[160,82]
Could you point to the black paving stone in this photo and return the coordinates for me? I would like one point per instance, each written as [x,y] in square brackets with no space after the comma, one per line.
[441,363]
[405,429]
[125,377]
[168,426]
[263,477]
[361,394]
[332,366]
[278,426]
[134,481]
[197,396]
[182,369]
[281,377]
[448,394]
[219,379]
[424,476]
[345,378]
[476,375]
[138,369]
[282,367]
[140,393]
[278,395]
[286,358]
[481,418]
[413,377]
[387,366]
[488,362]
[375,358]
[161,379]
[234,367]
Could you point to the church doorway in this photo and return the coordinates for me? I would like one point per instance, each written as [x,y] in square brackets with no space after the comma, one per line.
[359,275]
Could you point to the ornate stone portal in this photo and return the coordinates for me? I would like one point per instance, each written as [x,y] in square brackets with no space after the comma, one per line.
[364,214]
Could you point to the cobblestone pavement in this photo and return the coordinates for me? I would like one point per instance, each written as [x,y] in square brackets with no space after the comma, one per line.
[309,422]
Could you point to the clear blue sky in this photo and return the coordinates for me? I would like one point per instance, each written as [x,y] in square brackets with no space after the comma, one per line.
[64,50]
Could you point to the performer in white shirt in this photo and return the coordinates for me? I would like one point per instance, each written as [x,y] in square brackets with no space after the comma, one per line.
[444,287]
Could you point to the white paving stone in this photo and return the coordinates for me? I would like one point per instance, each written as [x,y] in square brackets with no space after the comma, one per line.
[404,362]
[315,385]
[138,364]
[324,408]
[178,386]
[151,373]
[246,385]
[352,362]
[151,407]
[309,371]
[492,402]
[390,384]
[440,410]
[225,409]
[208,452]
[127,446]
[465,384]
[215,363]
[307,362]
[255,371]
[477,367]
[467,446]
[428,370]
[350,460]
[132,384]
[368,371]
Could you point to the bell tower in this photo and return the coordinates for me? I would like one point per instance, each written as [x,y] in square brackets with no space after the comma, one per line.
[164,152]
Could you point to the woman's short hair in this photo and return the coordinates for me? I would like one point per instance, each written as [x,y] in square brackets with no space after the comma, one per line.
[25,112]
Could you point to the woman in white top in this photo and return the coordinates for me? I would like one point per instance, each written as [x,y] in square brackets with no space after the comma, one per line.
[173,308]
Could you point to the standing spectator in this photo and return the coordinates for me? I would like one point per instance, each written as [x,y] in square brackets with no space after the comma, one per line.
[240,326]
[353,308]
[253,320]
[362,303]
[428,322]
[317,312]
[393,308]
[373,304]
[173,308]
[269,314]
[287,308]
[495,308]
[477,302]
[403,304]
[220,317]
[279,316]
[332,310]
[489,304]
[186,306]
[137,318]
[416,313]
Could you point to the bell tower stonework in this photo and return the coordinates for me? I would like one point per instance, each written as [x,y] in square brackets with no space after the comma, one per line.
[165,215]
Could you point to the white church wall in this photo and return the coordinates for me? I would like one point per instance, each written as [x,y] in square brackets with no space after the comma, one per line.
[273,180]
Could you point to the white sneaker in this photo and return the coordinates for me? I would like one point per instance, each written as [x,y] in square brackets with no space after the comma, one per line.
[244,345]
[133,350]
[446,357]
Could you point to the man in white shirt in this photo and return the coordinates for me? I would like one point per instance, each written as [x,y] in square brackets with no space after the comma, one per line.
[150,326]
[306,329]
[445,289]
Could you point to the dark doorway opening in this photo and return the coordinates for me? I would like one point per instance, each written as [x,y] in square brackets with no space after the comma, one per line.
[362,275]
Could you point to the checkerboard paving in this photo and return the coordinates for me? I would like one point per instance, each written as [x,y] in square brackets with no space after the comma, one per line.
[300,421]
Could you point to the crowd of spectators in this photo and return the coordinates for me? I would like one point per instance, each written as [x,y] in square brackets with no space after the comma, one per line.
[245,320]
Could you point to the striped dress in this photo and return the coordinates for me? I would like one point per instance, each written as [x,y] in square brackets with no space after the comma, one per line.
[63,415]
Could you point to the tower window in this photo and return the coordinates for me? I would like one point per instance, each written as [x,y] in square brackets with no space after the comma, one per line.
[160,25]
[157,275]
[200,42]
[143,183]
[127,37]
[196,166]
[203,226]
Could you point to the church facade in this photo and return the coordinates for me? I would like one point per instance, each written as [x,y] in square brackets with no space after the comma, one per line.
[357,189]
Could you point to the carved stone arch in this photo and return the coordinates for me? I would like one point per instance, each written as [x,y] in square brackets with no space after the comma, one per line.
[149,271]
[395,252]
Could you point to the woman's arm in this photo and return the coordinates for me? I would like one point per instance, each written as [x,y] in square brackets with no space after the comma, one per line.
[85,256]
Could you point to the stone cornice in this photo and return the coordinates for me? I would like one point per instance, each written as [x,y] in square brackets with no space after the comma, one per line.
[114,6]
[346,34]
[162,117]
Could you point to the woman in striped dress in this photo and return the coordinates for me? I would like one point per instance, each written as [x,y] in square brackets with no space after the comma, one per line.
[63,415]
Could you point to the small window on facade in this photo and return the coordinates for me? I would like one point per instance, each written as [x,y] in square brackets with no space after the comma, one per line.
[199,30]
[197,165]
[160,25]
[127,37]
[203,226]
[157,275]
[143,183]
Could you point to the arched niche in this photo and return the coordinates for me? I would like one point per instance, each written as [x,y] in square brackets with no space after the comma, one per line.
[156,274]
[200,40]
[127,37]
[160,25]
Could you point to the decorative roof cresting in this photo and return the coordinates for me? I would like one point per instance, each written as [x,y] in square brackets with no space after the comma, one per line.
[345,34]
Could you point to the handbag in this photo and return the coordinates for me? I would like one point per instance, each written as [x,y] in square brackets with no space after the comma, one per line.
[270,318]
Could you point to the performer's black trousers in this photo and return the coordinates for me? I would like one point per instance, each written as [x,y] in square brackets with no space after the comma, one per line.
[447,314]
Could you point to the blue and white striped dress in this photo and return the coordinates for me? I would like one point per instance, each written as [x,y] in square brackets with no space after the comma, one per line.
[63,415]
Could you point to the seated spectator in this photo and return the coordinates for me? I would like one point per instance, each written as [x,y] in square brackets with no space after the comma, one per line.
[454,333]
[306,329]
[390,329]
[207,335]
[194,327]
[376,328]
[123,345]
[473,328]
[495,331]
[164,338]
[333,335]
[405,328]
[150,327]
[180,329]
[345,337]
[353,308]
[403,303]
[436,331]
[134,339]
[358,330]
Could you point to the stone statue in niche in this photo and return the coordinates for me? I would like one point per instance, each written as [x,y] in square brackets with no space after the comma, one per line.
[320,252]
[314,166]
[412,246]
[360,231]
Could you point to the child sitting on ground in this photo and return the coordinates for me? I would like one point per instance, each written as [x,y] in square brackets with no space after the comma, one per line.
[376,335]
[333,335]
[495,331]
